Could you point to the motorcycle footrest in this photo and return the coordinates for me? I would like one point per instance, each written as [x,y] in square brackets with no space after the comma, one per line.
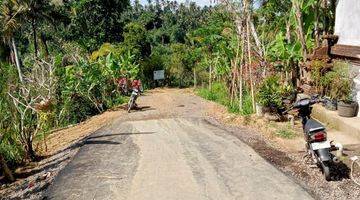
[313,166]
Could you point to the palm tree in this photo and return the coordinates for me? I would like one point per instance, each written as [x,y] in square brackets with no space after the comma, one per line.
[15,13]
[36,12]
[10,22]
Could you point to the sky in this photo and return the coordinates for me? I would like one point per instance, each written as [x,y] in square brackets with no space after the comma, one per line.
[198,2]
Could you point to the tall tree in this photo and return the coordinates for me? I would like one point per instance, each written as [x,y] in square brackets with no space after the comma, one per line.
[36,12]
[97,21]
[11,11]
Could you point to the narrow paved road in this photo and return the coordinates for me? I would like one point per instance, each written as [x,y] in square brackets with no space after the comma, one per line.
[169,151]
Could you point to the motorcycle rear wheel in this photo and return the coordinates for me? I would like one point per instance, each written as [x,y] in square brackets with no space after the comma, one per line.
[326,171]
[130,104]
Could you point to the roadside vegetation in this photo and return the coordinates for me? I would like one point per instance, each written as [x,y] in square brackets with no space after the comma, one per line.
[60,60]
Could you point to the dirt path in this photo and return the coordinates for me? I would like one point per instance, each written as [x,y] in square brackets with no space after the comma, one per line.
[168,150]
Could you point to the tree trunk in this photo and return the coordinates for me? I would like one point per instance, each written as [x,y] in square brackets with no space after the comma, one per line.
[30,150]
[33,25]
[7,171]
[298,16]
[333,15]
[210,77]
[233,81]
[43,41]
[17,59]
[195,81]
[249,53]
[259,46]
[325,16]
[241,72]
[301,37]
[316,25]
[288,31]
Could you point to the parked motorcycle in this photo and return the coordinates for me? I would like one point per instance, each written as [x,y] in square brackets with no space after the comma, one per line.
[135,93]
[317,145]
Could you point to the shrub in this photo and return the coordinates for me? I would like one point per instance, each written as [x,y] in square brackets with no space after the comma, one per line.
[269,93]
[338,83]
[219,94]
[272,91]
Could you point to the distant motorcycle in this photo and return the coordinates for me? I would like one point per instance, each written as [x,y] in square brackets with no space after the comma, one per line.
[135,93]
[317,145]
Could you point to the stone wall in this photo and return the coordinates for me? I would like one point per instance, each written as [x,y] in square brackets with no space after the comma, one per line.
[356,69]
[347,27]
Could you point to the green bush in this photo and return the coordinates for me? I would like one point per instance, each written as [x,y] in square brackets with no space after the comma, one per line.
[219,94]
[9,146]
[271,92]
[11,150]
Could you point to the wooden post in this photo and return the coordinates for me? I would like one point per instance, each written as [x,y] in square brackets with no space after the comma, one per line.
[246,4]
[301,36]
[17,60]
[195,81]
[210,77]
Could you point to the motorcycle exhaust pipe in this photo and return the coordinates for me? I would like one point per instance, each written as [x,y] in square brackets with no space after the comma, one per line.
[340,150]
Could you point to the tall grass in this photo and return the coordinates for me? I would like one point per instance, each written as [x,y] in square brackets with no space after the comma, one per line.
[219,94]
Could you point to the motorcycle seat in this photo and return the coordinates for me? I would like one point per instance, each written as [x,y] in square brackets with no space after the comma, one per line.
[313,126]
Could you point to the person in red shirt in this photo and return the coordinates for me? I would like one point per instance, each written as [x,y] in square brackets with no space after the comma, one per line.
[136,84]
[123,85]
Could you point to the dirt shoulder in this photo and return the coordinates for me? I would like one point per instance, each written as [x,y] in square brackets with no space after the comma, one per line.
[57,151]
[287,154]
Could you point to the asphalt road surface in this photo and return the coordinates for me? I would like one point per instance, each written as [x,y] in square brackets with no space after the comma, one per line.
[169,151]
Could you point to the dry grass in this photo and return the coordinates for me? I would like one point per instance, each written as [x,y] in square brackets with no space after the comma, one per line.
[280,133]
[61,139]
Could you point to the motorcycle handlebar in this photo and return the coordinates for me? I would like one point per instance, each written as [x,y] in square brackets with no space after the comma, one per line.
[311,102]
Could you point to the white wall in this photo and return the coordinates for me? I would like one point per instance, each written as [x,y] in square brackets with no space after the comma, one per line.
[356,69]
[347,22]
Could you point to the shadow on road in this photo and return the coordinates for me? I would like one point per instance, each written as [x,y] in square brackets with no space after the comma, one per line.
[116,134]
[144,108]
[91,141]
[24,173]
[139,108]
[101,142]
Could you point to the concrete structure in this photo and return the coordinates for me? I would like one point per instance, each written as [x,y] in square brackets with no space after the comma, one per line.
[347,27]
[346,126]
[347,22]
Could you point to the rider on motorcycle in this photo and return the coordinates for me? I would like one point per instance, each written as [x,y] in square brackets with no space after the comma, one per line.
[136,85]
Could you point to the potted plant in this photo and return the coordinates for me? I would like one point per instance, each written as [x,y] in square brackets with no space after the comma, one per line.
[341,86]
[326,82]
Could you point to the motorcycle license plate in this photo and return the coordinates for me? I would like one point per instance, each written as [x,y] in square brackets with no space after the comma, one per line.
[320,145]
